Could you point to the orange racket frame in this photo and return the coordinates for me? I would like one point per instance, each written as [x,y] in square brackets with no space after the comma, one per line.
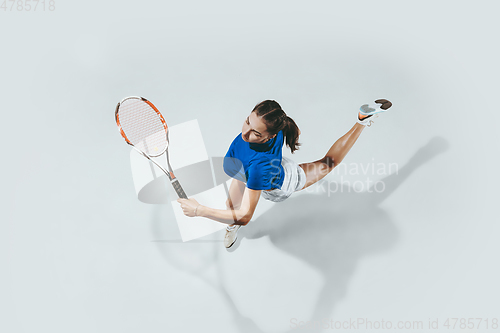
[170,174]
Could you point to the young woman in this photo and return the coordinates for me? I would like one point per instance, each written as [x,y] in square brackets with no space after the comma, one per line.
[255,162]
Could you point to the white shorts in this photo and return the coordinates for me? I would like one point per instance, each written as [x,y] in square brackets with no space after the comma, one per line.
[295,179]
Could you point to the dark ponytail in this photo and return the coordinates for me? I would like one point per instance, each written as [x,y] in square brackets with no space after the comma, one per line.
[277,120]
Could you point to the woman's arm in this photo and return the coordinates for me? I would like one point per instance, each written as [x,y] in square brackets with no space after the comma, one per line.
[236,190]
[240,216]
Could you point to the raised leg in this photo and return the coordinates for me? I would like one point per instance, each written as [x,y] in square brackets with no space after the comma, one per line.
[319,169]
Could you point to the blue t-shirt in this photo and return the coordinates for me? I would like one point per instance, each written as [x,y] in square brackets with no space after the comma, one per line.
[256,164]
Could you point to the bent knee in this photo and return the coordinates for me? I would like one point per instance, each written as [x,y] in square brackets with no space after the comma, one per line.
[329,162]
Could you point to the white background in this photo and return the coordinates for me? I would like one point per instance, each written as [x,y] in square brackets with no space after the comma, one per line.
[80,253]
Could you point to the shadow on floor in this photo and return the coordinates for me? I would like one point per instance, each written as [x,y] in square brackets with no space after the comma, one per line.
[330,232]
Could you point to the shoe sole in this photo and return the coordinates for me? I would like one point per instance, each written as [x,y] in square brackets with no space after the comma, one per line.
[367,110]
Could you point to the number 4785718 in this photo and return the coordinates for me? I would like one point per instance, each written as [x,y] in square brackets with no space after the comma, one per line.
[28,5]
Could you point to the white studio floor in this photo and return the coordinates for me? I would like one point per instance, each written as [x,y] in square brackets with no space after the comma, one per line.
[81,253]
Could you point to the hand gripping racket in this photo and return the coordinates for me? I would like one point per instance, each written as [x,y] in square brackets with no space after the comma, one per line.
[144,128]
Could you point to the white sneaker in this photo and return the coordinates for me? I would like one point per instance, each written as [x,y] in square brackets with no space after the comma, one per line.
[231,235]
[366,120]
[368,112]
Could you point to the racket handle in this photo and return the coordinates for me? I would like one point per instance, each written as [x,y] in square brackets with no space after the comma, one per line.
[178,189]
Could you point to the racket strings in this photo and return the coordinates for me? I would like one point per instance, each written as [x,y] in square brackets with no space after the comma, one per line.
[142,126]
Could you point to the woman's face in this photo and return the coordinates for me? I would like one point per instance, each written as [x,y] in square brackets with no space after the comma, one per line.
[254,130]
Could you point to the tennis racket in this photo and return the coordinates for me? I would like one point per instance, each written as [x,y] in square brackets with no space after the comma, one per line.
[144,128]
